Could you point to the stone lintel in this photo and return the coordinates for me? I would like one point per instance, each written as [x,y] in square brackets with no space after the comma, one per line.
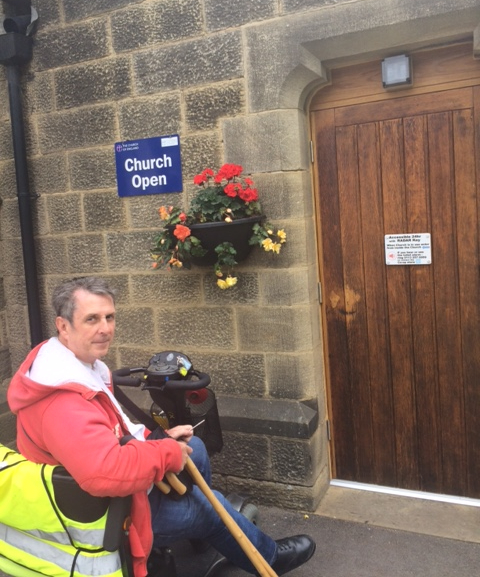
[282,418]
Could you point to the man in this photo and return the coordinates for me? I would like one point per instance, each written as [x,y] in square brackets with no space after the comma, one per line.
[67,414]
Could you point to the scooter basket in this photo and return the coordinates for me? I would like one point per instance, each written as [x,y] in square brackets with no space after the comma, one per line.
[170,409]
[204,406]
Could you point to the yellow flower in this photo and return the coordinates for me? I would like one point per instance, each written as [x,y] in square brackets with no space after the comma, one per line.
[276,247]
[228,219]
[267,244]
[175,262]
[227,283]
[282,235]
[163,212]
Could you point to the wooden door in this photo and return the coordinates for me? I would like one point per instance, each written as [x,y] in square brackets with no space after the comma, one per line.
[402,342]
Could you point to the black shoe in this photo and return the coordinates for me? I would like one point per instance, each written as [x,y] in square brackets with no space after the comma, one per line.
[293,552]
[199,546]
[161,563]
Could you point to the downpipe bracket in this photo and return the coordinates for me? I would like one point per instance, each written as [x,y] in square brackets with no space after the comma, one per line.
[15,49]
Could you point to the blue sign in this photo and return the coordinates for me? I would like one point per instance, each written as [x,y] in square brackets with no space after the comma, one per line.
[149,166]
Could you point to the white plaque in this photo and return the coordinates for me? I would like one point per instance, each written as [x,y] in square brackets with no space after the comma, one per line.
[169,141]
[408,249]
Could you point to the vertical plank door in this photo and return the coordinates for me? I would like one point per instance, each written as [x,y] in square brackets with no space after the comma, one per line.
[402,341]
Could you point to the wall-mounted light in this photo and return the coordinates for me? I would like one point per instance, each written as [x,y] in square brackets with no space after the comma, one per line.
[396,71]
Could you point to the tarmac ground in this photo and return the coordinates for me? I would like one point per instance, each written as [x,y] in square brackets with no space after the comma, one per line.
[362,548]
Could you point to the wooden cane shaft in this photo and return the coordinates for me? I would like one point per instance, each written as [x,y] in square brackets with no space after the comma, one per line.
[176,483]
[164,487]
[250,551]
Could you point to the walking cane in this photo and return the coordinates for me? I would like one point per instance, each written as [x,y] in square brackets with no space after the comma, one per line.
[246,545]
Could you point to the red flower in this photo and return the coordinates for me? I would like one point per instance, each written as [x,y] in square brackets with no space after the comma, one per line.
[203,177]
[228,171]
[248,195]
[182,216]
[182,232]
[232,189]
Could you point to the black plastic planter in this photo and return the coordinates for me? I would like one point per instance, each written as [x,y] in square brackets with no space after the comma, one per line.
[211,234]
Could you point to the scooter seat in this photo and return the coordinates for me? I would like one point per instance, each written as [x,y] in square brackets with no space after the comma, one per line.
[77,504]
[73,501]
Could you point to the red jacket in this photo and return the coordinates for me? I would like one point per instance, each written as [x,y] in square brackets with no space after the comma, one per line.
[79,428]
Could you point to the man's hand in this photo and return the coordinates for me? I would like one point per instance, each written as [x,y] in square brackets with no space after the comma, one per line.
[181,432]
[186,452]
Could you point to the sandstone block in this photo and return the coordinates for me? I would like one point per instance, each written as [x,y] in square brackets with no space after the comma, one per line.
[59,47]
[93,82]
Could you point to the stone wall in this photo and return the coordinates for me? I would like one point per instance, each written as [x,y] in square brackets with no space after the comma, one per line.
[234,82]
[5,152]
[5,366]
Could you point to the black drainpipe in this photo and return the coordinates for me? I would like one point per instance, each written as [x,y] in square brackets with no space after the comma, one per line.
[16,50]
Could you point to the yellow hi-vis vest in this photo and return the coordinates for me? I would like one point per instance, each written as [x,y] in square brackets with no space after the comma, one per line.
[34,532]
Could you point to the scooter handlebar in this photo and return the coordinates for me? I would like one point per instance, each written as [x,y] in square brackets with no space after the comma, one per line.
[123,378]
[186,385]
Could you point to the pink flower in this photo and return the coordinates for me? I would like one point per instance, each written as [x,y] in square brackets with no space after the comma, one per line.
[182,232]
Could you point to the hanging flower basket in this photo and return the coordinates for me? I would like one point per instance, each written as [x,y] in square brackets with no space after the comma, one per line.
[221,227]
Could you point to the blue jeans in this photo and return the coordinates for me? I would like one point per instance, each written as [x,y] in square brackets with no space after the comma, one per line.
[193,517]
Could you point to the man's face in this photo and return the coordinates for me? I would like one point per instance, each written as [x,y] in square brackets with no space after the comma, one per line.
[91,331]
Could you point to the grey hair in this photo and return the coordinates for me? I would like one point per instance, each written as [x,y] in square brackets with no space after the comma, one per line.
[63,297]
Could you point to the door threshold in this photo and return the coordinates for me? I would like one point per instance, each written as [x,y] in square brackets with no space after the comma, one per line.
[413,511]
[406,493]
